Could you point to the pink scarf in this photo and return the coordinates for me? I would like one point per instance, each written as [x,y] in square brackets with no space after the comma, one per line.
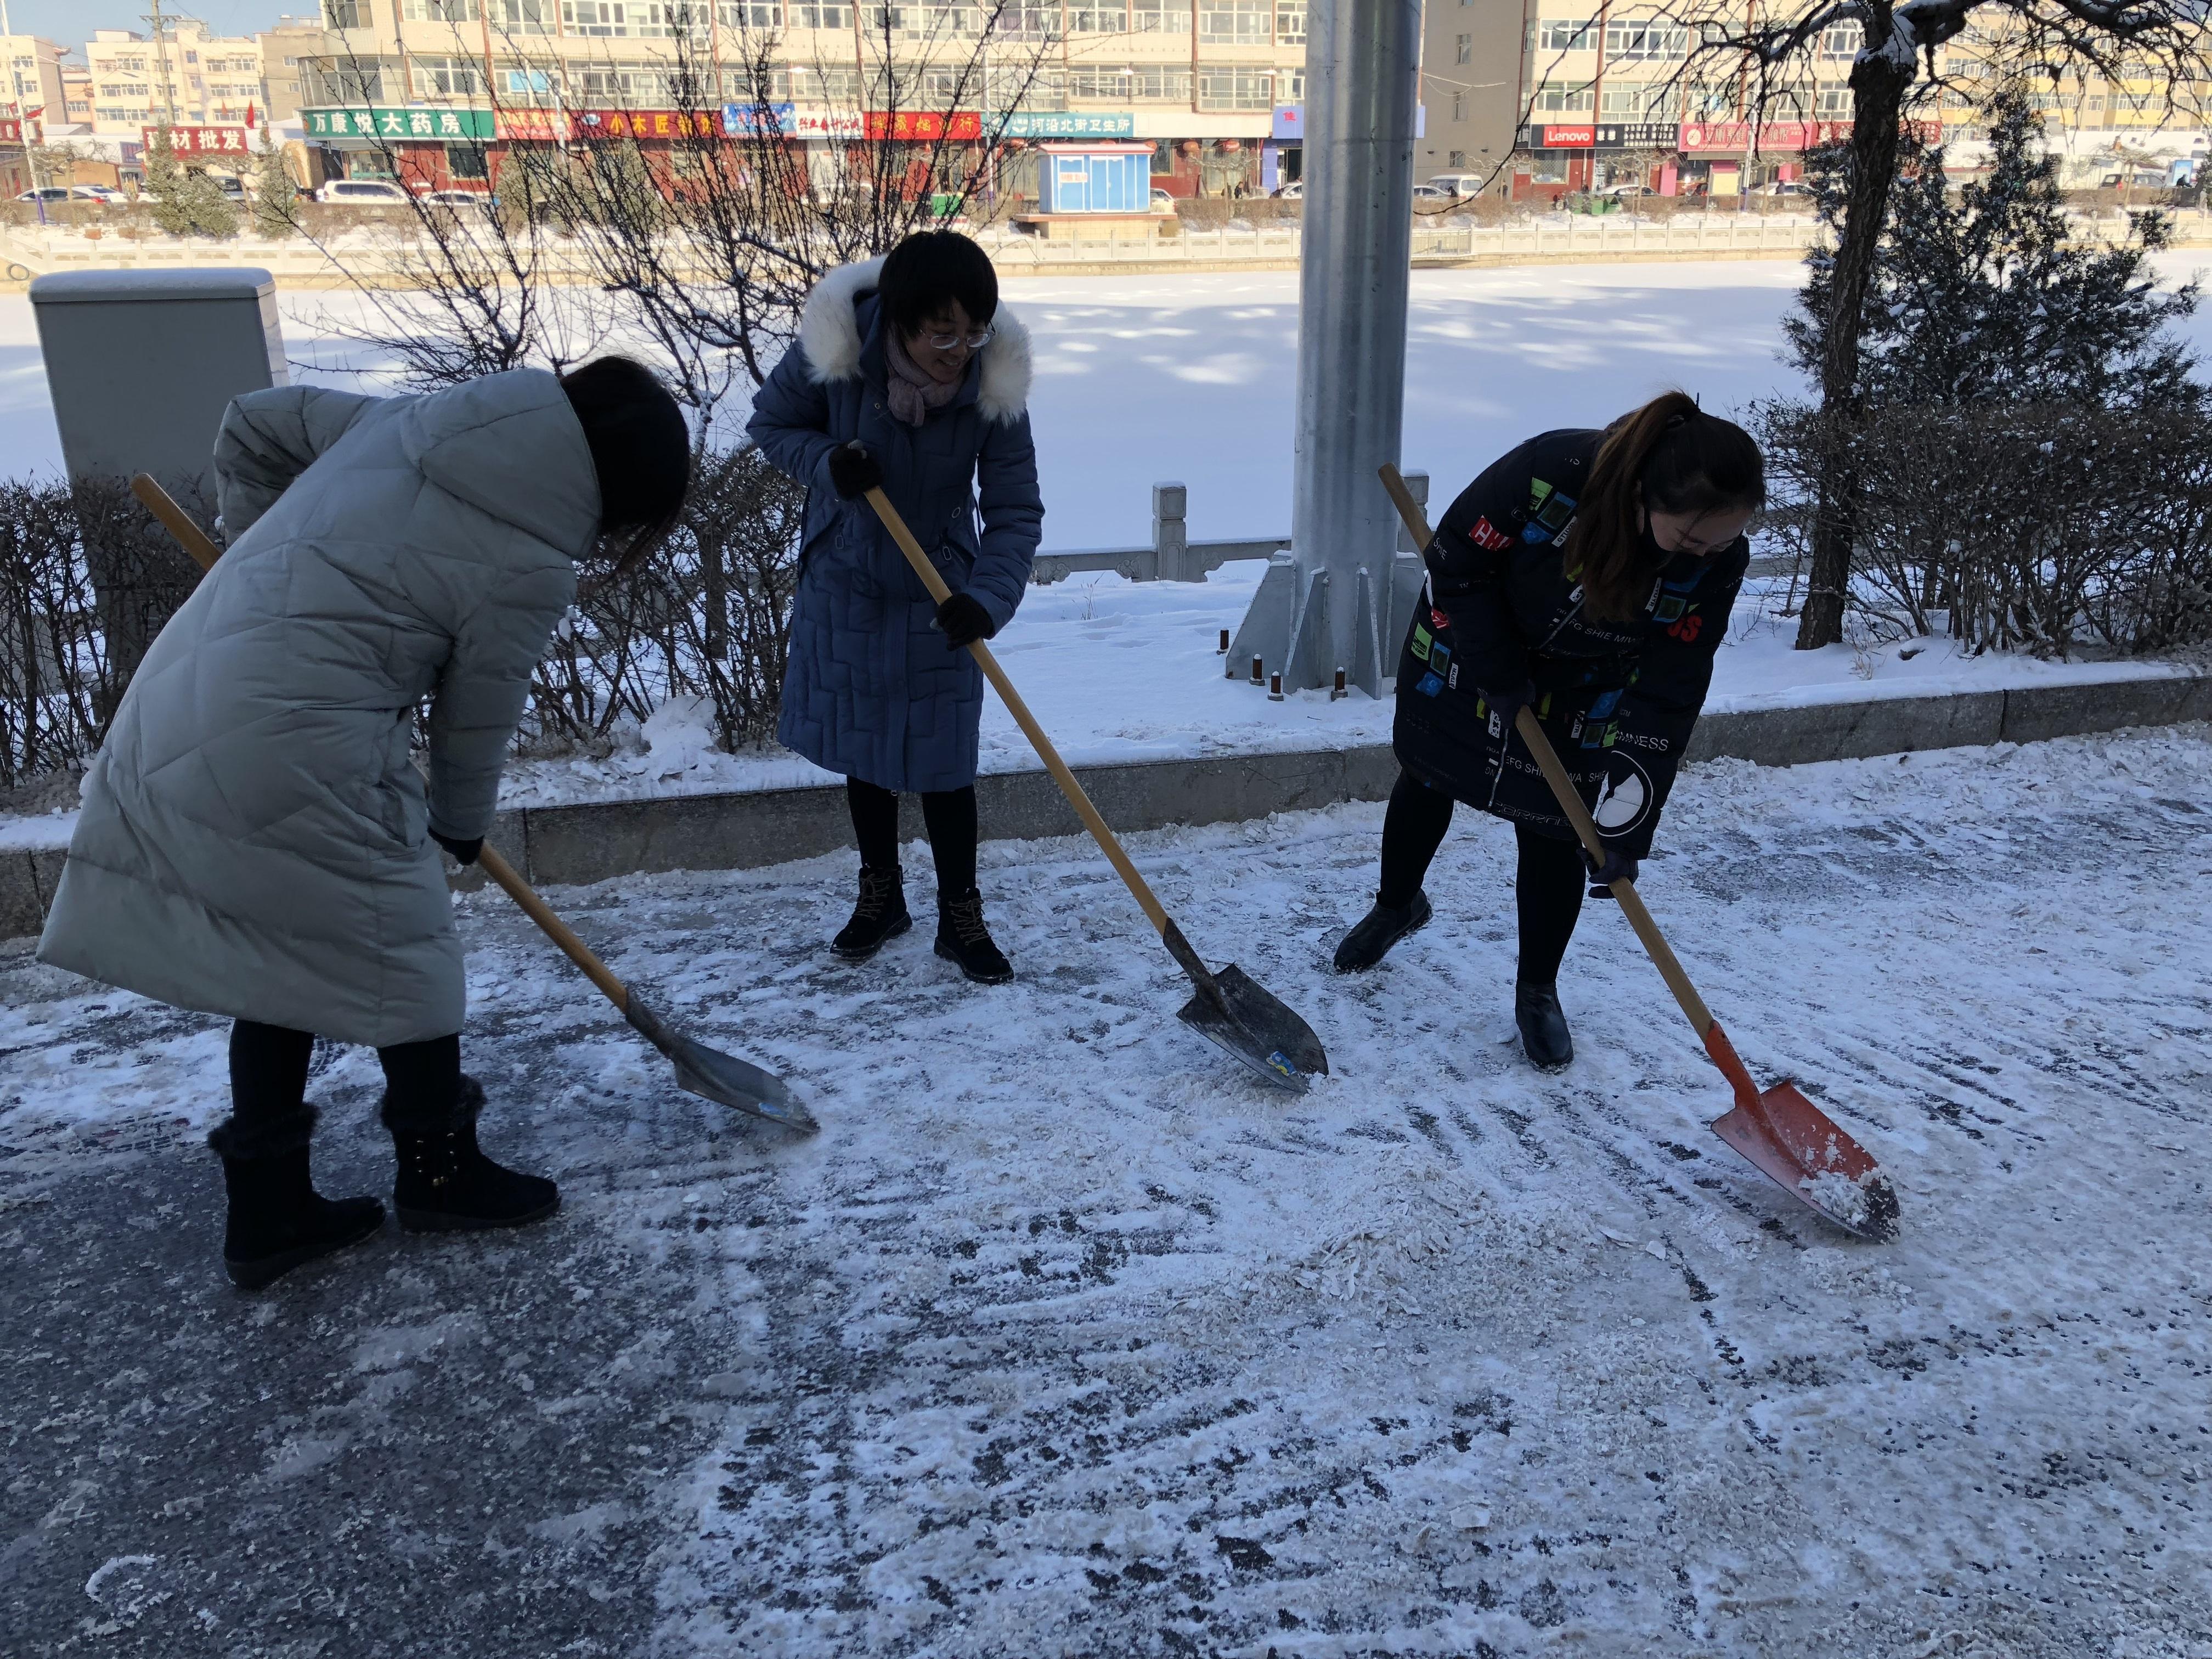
[913,392]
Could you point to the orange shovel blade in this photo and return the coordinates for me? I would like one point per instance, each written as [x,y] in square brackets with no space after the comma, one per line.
[1799,1146]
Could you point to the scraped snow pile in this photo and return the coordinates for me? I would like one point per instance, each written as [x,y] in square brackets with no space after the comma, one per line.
[1066,1337]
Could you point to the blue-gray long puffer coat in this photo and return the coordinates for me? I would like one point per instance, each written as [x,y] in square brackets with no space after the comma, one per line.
[870,689]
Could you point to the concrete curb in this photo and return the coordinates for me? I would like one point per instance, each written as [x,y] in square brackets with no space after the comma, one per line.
[564,846]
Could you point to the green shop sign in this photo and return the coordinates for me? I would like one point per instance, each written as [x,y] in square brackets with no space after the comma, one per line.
[1062,124]
[434,125]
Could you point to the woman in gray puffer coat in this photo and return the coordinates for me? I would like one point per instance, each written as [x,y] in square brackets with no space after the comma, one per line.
[910,375]
[255,842]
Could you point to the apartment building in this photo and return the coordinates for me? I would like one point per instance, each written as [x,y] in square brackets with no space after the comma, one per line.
[31,78]
[1198,81]
[188,78]
[1470,82]
[286,51]
[1610,94]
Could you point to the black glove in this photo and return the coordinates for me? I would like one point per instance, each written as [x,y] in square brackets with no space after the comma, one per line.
[1507,704]
[854,471]
[962,621]
[1618,866]
[464,851]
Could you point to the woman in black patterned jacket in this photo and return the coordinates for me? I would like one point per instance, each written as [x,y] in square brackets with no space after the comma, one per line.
[1589,575]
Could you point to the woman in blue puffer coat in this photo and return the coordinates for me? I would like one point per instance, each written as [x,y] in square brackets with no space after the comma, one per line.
[910,375]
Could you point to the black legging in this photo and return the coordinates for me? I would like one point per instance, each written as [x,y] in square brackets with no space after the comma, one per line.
[269,1077]
[948,815]
[1548,886]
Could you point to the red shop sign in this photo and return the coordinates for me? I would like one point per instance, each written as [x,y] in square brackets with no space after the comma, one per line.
[1568,138]
[539,123]
[924,124]
[11,130]
[203,140]
[646,124]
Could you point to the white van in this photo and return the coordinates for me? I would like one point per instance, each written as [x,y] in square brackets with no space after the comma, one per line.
[360,190]
[1460,184]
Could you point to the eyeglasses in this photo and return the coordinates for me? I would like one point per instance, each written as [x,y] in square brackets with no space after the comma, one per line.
[975,341]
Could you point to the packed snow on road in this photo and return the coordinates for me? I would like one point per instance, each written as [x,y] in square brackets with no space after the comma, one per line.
[1068,1337]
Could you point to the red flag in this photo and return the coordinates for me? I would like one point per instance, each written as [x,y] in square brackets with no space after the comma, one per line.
[249,117]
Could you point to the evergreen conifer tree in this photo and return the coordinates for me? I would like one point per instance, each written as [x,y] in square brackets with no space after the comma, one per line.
[273,216]
[1983,296]
[185,203]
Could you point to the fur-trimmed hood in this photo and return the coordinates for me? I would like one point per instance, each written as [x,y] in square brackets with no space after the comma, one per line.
[829,335]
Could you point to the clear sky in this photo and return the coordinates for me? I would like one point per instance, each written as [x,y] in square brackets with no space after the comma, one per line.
[71,22]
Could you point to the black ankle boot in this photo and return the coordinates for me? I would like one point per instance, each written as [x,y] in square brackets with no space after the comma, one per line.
[446,1184]
[1379,929]
[1543,1025]
[962,937]
[880,914]
[277,1219]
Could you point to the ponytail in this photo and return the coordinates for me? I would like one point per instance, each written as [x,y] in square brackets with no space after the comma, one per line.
[1667,457]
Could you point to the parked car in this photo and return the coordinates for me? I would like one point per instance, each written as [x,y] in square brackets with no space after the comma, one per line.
[462,199]
[45,193]
[1434,193]
[1628,193]
[1162,202]
[1293,191]
[1458,184]
[1787,190]
[361,191]
[229,184]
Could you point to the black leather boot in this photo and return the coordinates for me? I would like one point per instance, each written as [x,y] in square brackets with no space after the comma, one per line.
[1543,1025]
[962,937]
[446,1184]
[880,914]
[1382,926]
[279,1221]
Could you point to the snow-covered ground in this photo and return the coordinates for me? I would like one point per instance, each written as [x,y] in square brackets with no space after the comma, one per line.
[1067,1338]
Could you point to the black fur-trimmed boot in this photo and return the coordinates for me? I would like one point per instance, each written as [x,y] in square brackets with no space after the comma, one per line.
[279,1221]
[880,914]
[447,1185]
[962,937]
[1543,1025]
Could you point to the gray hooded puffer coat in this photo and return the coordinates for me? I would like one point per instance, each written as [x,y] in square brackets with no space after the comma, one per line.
[253,838]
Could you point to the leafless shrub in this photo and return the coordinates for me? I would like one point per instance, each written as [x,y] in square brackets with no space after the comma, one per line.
[2049,528]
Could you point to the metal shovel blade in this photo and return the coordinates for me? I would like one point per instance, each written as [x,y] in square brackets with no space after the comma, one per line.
[723,1078]
[1800,1146]
[1250,1023]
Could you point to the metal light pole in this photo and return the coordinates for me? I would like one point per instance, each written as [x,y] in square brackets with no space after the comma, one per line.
[1331,602]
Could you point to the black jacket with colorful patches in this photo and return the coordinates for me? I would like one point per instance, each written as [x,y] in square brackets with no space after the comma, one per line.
[1618,699]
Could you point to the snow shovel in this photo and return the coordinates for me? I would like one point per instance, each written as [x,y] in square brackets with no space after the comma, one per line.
[1229,1007]
[723,1078]
[1785,1135]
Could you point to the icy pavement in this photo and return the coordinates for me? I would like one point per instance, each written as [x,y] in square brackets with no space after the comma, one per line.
[1064,1340]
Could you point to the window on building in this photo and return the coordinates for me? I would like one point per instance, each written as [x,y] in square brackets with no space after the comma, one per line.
[1834,104]
[1456,158]
[806,15]
[523,16]
[1159,17]
[825,83]
[1459,107]
[446,77]
[530,83]
[1631,100]
[936,20]
[1563,98]
[1092,17]
[344,81]
[1099,86]
[468,161]
[600,19]
[1463,49]
[1236,22]
[1290,22]
[1026,23]
[441,11]
[1645,42]
[1148,85]
[1238,87]
[751,13]
[1842,41]
[1566,33]
[346,14]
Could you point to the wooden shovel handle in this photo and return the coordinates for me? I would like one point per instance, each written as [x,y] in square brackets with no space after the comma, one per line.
[555,929]
[178,522]
[1155,912]
[196,542]
[1532,734]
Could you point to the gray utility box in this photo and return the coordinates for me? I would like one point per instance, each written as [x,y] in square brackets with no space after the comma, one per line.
[142,365]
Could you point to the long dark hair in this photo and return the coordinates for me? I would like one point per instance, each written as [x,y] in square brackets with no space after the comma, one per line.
[641,449]
[1667,457]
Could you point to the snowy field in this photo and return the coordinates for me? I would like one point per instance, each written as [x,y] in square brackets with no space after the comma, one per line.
[1065,1338]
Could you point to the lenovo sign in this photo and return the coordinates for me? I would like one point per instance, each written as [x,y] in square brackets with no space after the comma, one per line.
[1567,138]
